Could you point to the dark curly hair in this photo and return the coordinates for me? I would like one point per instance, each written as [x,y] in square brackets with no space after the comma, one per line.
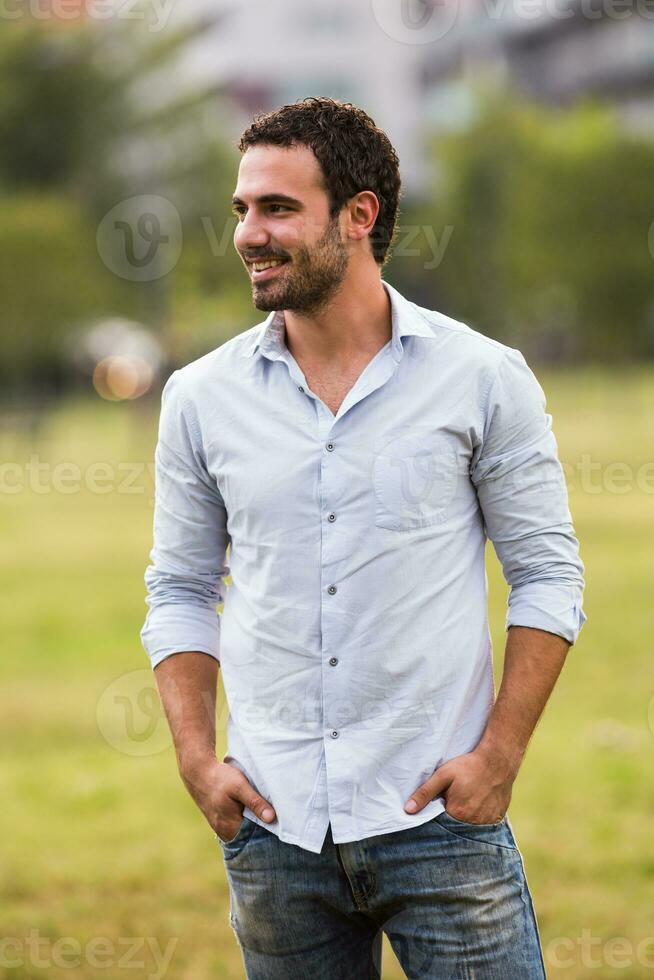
[353,153]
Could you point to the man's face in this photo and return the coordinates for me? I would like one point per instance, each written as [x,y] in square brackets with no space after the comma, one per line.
[283,214]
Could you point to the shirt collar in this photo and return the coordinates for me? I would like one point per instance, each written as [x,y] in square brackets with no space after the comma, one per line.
[406,320]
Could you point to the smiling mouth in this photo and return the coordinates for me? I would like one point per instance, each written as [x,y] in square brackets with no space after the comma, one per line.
[265,268]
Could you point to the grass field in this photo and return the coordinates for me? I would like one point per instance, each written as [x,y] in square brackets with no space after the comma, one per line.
[105,862]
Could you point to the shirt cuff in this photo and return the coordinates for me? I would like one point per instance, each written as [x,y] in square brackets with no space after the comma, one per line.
[551,607]
[178,628]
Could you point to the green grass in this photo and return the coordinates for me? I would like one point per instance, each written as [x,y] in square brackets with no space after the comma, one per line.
[99,838]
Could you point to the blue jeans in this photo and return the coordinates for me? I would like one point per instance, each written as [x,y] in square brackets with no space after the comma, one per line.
[452,897]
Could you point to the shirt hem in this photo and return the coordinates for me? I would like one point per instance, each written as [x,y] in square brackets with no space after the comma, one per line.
[317,848]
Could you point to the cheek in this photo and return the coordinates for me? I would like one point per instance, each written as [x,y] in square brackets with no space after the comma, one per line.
[288,237]
[308,232]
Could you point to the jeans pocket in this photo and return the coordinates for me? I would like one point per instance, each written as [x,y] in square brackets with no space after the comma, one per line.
[466,823]
[232,846]
[495,835]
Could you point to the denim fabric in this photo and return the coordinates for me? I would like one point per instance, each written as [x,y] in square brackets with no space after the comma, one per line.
[452,897]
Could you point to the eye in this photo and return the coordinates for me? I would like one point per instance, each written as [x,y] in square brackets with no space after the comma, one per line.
[240,209]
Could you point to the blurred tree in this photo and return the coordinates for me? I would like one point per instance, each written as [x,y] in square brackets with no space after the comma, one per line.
[549,248]
[90,110]
[89,116]
[50,281]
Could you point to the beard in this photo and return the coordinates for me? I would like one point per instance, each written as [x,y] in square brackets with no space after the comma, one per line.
[308,281]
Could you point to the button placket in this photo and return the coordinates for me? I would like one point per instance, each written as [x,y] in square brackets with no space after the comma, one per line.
[330,480]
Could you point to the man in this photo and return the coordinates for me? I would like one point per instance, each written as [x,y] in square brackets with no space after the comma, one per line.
[354,451]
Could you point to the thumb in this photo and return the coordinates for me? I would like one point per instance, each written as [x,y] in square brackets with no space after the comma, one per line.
[435,786]
[248,795]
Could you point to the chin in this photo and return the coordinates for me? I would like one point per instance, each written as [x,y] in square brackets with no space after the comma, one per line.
[267,300]
[265,303]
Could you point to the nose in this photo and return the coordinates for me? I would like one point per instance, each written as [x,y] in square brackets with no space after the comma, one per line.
[250,233]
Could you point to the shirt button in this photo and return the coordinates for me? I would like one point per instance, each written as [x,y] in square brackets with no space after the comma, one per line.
[334,734]
[332,517]
[300,388]
[333,661]
[332,590]
[330,447]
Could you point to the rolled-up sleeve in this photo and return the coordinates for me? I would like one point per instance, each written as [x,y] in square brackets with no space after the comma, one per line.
[185,577]
[524,501]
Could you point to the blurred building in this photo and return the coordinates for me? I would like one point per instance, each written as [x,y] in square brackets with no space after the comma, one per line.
[553,51]
[262,55]
[267,54]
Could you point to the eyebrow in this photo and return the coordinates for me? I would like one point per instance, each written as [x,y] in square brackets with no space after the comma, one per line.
[271,199]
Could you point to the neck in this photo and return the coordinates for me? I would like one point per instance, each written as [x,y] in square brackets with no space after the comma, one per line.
[356,323]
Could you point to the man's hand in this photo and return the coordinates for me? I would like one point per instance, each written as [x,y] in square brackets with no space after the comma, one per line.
[187,685]
[221,791]
[477,787]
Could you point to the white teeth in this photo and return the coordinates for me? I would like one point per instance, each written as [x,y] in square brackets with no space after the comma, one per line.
[260,266]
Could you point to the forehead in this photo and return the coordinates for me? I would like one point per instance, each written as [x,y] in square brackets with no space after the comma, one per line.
[292,170]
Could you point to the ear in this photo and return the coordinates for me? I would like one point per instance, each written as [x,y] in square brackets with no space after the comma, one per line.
[362,211]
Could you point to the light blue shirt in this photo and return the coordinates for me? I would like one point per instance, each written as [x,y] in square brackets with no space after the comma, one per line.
[354,641]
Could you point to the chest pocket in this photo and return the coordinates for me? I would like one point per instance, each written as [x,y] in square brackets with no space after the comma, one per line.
[414,477]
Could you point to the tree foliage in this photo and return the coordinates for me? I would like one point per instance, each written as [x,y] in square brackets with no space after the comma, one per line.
[550,221]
